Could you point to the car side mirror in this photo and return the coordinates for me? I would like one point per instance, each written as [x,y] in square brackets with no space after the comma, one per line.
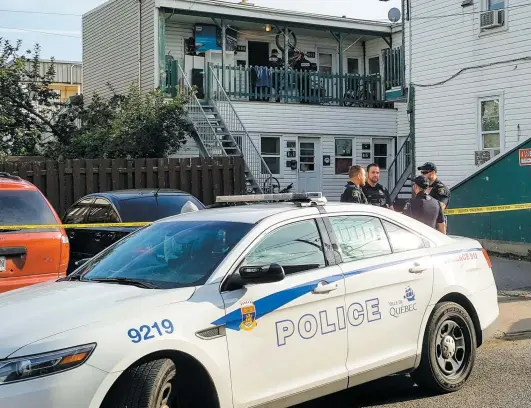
[262,274]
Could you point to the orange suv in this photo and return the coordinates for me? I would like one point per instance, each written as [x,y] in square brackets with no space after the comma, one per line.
[29,256]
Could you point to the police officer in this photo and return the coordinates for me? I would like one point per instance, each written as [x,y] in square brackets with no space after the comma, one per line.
[376,193]
[353,192]
[425,208]
[437,188]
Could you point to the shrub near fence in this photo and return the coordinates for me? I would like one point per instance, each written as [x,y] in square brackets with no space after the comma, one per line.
[64,182]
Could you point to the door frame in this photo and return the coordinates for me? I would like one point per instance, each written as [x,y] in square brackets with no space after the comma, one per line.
[390,154]
[318,158]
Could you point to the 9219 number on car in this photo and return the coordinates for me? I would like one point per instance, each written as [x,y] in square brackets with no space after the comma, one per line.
[147,332]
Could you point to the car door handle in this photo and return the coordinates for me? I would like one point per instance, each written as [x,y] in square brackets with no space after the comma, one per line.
[417,268]
[325,287]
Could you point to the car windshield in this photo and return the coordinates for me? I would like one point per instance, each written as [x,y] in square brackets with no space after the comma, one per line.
[168,255]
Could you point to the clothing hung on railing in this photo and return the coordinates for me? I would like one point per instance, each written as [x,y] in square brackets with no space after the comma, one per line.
[263,76]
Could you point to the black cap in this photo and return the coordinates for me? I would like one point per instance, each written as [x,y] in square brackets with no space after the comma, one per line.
[422,182]
[428,166]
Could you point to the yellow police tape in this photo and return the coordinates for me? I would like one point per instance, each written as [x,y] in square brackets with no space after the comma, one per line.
[451,211]
[492,208]
[45,226]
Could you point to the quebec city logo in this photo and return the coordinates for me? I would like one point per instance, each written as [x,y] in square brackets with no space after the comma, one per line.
[410,295]
[248,316]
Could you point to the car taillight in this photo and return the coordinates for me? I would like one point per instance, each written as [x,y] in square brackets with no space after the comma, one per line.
[487,258]
[65,254]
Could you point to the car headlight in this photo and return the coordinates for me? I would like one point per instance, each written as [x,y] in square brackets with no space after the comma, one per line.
[40,365]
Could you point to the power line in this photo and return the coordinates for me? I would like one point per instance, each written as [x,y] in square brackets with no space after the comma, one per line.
[39,12]
[39,32]
[521,59]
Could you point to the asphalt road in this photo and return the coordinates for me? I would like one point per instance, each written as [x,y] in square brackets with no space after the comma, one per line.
[501,378]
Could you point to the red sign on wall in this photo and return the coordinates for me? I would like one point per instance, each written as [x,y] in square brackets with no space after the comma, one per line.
[525,157]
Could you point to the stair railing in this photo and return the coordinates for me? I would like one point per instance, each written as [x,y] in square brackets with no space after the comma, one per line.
[254,161]
[399,169]
[206,137]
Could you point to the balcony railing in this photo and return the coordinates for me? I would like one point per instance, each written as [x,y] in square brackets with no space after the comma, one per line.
[394,68]
[310,87]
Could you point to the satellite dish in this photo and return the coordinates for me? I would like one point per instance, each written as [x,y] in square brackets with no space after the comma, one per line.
[394,15]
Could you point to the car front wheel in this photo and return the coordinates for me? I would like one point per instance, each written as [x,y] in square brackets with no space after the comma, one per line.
[149,385]
[448,350]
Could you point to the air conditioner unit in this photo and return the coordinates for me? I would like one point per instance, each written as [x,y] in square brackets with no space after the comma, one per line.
[492,19]
[483,156]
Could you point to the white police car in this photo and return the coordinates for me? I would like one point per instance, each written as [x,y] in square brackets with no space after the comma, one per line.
[267,304]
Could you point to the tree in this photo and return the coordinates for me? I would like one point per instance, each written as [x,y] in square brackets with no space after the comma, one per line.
[124,126]
[27,104]
[132,125]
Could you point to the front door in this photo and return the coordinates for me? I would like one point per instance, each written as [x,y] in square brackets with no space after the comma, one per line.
[382,151]
[309,174]
[388,281]
[288,337]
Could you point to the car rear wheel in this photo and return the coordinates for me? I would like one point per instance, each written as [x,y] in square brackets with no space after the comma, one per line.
[148,385]
[448,350]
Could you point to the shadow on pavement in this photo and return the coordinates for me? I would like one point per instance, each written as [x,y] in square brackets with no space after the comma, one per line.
[387,390]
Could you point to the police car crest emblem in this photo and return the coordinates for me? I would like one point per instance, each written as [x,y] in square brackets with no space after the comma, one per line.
[248,316]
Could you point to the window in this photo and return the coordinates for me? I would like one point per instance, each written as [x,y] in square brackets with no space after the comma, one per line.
[76,214]
[325,63]
[151,208]
[270,150]
[169,205]
[307,156]
[380,155]
[344,155]
[495,4]
[24,207]
[99,211]
[401,239]
[374,65]
[170,254]
[360,237]
[490,129]
[296,247]
[353,66]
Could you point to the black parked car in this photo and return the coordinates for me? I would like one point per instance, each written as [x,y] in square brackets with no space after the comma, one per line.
[118,206]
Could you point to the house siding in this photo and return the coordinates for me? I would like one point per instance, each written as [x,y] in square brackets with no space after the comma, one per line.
[110,35]
[110,47]
[446,115]
[149,45]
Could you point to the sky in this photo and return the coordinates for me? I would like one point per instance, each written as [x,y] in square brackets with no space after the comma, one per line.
[59,36]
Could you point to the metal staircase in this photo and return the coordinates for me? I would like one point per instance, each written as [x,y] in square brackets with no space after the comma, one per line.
[218,131]
[399,185]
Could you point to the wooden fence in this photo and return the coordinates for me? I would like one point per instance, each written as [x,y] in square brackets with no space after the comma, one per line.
[64,182]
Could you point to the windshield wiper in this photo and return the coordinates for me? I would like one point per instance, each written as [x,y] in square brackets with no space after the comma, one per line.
[125,281]
[71,278]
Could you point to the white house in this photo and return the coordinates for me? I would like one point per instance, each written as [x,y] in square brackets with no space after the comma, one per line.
[470,66]
[356,112]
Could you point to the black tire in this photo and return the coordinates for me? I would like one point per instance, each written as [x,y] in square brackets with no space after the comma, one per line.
[448,320]
[145,386]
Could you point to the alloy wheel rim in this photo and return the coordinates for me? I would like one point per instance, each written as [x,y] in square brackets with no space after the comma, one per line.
[451,348]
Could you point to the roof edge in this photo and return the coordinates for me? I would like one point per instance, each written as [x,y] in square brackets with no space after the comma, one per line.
[275,13]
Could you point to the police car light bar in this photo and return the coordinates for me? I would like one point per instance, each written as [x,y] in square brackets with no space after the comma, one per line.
[318,197]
